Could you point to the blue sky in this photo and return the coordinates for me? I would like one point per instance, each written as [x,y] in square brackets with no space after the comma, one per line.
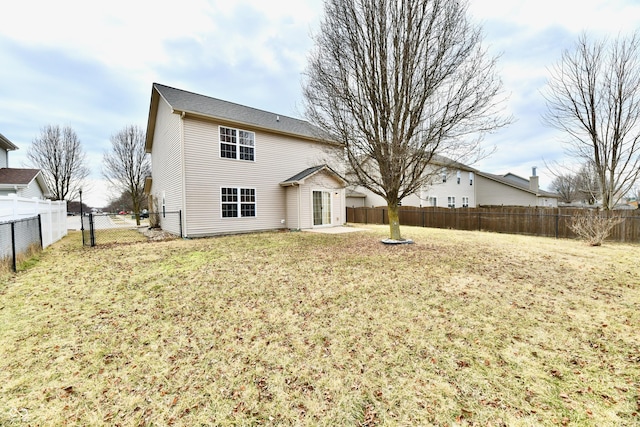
[90,66]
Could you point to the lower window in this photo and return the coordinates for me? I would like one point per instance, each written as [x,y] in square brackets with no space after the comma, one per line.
[465,202]
[451,202]
[238,202]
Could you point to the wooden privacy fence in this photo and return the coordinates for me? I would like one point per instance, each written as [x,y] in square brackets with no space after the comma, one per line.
[535,221]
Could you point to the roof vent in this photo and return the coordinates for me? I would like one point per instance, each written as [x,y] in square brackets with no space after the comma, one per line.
[277,118]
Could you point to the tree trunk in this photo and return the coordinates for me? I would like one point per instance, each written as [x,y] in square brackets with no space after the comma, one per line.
[394,222]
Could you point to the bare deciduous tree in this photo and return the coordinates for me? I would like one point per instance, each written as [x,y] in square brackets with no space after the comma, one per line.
[565,186]
[127,165]
[588,183]
[58,154]
[399,83]
[593,95]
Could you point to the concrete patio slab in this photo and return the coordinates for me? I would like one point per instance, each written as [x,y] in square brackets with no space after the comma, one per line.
[335,230]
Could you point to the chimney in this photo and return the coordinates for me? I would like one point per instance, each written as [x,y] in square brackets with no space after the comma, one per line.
[533,180]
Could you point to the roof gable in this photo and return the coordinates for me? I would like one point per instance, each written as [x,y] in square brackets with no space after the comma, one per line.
[190,103]
[22,178]
[300,177]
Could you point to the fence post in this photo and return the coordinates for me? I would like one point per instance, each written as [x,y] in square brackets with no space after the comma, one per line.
[40,231]
[92,234]
[557,222]
[13,246]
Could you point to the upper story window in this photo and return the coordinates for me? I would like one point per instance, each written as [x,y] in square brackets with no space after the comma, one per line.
[458,177]
[470,178]
[237,144]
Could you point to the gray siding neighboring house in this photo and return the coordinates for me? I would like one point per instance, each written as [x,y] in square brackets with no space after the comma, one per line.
[231,168]
[27,183]
[452,185]
[5,147]
[456,185]
[512,190]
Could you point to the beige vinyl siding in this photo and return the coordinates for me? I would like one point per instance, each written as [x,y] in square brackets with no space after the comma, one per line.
[322,182]
[493,193]
[4,158]
[166,167]
[292,220]
[277,158]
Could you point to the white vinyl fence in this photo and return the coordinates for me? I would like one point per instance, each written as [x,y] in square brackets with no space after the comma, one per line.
[53,215]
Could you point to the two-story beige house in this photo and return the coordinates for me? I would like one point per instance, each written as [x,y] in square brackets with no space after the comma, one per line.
[229,168]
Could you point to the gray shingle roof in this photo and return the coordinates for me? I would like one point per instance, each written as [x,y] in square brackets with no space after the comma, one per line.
[181,100]
[301,176]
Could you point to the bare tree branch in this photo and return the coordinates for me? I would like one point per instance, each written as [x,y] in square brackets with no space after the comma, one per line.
[58,154]
[399,83]
[127,165]
[593,95]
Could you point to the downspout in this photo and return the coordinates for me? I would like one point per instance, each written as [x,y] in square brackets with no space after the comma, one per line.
[299,208]
[184,178]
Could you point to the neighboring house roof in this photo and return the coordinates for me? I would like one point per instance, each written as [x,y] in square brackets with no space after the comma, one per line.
[194,104]
[13,178]
[299,178]
[513,177]
[6,144]
[508,179]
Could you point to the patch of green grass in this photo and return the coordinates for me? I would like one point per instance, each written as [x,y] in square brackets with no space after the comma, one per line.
[461,328]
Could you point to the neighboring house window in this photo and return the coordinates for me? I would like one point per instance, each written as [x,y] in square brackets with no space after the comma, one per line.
[465,202]
[458,177]
[433,201]
[451,202]
[470,178]
[237,144]
[238,202]
[444,176]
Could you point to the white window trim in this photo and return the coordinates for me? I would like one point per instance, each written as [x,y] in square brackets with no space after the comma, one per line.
[237,144]
[451,199]
[465,205]
[239,203]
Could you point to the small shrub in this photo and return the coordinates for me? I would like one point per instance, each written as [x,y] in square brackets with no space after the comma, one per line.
[594,228]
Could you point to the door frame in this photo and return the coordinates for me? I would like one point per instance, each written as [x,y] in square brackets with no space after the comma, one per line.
[330,205]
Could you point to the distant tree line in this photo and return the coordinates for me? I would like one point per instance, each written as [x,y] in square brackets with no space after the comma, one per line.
[58,153]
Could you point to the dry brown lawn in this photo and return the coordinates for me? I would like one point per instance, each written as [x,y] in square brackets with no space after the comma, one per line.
[461,328]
